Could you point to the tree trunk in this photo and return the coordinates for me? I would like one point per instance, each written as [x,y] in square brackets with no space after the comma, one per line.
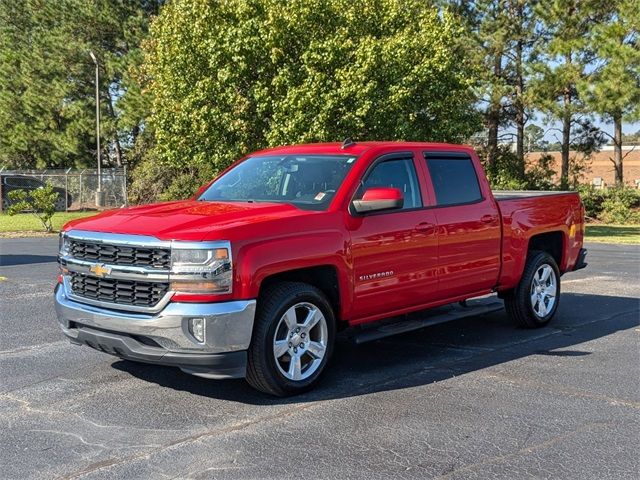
[617,148]
[566,138]
[493,114]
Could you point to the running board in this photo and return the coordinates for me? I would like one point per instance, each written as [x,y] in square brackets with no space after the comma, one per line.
[426,318]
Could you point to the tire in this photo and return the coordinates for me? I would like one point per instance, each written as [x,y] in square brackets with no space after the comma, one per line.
[272,365]
[60,204]
[534,302]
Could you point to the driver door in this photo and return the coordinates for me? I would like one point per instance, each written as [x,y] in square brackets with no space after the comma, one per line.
[394,251]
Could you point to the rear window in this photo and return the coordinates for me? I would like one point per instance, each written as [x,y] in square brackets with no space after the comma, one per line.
[454,180]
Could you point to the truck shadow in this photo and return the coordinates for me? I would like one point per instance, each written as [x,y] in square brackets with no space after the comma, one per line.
[429,355]
[13,260]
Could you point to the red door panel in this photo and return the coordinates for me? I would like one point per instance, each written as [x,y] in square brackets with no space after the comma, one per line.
[394,262]
[469,249]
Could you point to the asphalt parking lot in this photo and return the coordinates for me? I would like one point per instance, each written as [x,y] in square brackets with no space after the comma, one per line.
[476,398]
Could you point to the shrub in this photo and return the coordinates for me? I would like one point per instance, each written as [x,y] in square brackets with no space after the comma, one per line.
[506,172]
[153,181]
[540,174]
[611,205]
[40,202]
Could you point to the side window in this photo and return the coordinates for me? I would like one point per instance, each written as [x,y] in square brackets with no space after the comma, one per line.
[12,182]
[454,180]
[398,173]
[22,182]
[32,183]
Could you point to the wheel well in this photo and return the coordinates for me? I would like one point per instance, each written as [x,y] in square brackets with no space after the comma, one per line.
[550,242]
[324,278]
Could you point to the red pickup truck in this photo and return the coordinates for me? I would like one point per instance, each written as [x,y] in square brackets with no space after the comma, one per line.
[255,274]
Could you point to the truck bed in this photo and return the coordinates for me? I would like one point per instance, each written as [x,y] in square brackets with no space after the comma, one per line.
[528,213]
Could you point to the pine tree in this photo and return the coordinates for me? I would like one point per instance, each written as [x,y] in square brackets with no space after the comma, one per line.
[523,40]
[563,57]
[613,90]
[47,106]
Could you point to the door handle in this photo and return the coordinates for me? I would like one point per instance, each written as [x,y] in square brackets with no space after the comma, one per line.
[425,227]
[487,218]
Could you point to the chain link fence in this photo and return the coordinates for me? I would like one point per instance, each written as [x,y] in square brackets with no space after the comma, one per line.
[76,189]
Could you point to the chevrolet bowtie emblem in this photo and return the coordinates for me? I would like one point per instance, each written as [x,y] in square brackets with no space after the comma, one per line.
[100,270]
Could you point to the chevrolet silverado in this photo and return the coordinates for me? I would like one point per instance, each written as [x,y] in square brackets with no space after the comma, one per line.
[254,275]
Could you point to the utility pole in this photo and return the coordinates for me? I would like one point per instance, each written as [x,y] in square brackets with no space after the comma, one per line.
[99,193]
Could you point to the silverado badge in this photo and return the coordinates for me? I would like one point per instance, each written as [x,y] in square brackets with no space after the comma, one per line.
[100,270]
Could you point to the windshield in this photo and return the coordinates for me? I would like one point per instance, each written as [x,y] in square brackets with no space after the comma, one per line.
[306,181]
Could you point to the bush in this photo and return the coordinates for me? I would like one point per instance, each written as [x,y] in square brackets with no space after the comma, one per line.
[611,205]
[40,202]
[153,181]
[506,172]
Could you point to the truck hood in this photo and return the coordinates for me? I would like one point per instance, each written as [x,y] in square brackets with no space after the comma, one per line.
[184,220]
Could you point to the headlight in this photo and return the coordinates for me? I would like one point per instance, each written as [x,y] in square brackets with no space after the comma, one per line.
[201,268]
[63,244]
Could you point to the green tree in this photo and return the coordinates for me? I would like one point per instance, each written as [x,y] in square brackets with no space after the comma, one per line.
[534,138]
[40,202]
[563,57]
[486,40]
[613,90]
[524,38]
[501,36]
[46,79]
[231,77]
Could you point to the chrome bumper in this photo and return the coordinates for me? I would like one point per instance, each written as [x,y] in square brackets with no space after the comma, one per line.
[164,336]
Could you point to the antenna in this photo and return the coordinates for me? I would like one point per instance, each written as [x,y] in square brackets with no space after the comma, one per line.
[347,143]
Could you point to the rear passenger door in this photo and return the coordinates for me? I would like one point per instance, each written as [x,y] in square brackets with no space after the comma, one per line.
[469,233]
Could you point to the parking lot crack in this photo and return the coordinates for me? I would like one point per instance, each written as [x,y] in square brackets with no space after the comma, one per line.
[114,461]
[71,434]
[527,450]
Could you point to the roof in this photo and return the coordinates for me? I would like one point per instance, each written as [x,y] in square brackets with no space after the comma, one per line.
[355,149]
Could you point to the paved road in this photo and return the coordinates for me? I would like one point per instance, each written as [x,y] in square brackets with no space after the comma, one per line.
[470,399]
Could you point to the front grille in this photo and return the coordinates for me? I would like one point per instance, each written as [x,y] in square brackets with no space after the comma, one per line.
[120,255]
[121,292]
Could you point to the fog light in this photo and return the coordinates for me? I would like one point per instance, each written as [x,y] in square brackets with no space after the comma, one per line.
[196,328]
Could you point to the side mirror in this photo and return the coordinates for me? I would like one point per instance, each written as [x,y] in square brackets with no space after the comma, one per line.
[377,199]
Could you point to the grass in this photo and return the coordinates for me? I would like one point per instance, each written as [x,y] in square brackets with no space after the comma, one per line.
[26,222]
[613,234]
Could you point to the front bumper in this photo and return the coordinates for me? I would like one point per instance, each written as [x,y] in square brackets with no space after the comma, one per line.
[163,338]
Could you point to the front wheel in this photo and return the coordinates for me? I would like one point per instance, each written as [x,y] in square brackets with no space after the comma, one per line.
[534,302]
[292,339]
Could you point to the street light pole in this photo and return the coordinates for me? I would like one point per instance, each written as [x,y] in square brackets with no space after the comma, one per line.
[99,195]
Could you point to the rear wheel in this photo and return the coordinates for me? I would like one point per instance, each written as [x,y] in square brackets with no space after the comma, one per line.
[534,302]
[292,339]
[60,204]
